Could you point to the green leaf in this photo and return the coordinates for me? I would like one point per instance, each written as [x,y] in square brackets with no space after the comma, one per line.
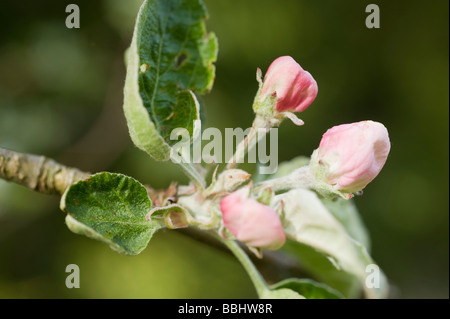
[170,57]
[378,291]
[282,293]
[346,213]
[308,288]
[323,268]
[111,208]
[310,224]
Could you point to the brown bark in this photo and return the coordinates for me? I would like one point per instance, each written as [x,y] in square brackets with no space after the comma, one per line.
[38,173]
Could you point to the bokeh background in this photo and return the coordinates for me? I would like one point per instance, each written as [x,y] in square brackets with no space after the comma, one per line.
[61,96]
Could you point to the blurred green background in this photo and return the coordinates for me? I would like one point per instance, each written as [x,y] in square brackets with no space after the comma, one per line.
[61,96]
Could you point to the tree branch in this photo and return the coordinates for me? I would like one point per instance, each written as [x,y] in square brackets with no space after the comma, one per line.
[38,173]
[47,176]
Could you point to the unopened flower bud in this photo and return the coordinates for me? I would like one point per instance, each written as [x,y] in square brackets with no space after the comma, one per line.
[251,222]
[286,87]
[228,181]
[350,156]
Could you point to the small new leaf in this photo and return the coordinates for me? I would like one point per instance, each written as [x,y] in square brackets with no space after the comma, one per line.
[309,223]
[111,208]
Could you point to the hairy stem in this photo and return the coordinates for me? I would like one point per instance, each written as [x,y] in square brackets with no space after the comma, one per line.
[38,173]
[253,137]
[193,174]
[299,178]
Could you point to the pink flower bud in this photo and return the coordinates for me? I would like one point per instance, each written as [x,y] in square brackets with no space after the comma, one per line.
[353,154]
[294,88]
[251,222]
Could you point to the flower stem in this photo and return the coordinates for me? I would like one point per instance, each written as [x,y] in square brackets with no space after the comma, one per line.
[192,173]
[256,278]
[249,141]
[299,178]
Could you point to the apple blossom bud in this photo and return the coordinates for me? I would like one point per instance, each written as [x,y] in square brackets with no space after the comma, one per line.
[251,222]
[227,181]
[351,155]
[294,88]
